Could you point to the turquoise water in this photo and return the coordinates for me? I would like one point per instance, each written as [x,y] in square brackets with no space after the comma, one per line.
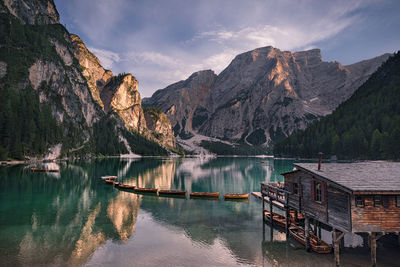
[72,218]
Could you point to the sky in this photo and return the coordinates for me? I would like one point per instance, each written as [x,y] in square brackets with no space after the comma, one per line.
[164,41]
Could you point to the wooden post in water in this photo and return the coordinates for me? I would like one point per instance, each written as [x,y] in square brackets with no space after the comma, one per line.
[270,212]
[372,241]
[287,221]
[398,238]
[307,231]
[315,226]
[337,236]
[319,229]
[365,238]
[342,243]
[336,247]
[263,206]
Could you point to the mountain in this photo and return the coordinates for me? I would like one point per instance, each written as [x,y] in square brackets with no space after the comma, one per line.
[262,96]
[366,126]
[119,94]
[57,99]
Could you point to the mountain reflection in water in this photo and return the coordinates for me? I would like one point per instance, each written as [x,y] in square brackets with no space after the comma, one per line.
[73,218]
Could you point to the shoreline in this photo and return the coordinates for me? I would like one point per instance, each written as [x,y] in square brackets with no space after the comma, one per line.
[41,161]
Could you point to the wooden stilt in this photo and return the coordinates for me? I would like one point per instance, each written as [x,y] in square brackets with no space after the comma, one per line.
[287,221]
[263,232]
[263,208]
[296,216]
[315,226]
[336,246]
[271,233]
[398,239]
[319,229]
[270,210]
[372,241]
[341,244]
[365,240]
[307,232]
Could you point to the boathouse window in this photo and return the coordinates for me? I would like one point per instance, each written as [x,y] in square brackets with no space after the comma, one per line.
[318,192]
[359,201]
[377,201]
[385,201]
[295,188]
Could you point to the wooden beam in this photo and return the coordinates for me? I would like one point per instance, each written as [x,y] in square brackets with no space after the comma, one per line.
[337,237]
[263,208]
[398,239]
[287,221]
[372,241]
[271,214]
[307,232]
[315,226]
[319,229]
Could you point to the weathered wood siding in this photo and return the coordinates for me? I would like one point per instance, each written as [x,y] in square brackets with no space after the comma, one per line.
[333,210]
[338,208]
[294,200]
[308,205]
[369,218]
[317,209]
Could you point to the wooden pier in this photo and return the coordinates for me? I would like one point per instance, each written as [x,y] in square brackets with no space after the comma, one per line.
[356,198]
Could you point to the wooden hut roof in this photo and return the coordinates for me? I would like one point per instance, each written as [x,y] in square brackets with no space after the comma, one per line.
[371,176]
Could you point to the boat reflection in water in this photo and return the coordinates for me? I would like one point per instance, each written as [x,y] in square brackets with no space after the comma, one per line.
[77,219]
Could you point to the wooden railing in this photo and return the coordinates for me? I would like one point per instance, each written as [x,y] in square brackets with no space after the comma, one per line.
[275,191]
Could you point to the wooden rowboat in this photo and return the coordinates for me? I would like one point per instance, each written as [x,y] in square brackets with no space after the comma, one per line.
[204,194]
[317,244]
[109,177]
[236,199]
[277,219]
[300,216]
[171,192]
[109,181]
[236,196]
[125,186]
[43,170]
[145,190]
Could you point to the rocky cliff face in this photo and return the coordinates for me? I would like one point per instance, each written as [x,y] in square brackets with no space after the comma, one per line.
[49,66]
[33,12]
[186,103]
[70,85]
[120,94]
[159,126]
[96,76]
[263,95]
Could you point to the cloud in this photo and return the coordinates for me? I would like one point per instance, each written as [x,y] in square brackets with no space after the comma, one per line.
[107,58]
[153,58]
[282,37]
[161,42]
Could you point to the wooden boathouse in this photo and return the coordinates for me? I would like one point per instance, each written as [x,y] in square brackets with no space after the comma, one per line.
[357,198]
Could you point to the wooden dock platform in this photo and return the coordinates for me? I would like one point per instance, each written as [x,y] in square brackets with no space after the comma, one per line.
[266,199]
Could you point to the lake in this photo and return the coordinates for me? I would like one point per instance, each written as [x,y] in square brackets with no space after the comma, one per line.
[73,218]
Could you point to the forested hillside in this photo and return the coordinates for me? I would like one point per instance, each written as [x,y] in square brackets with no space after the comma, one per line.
[45,99]
[366,126]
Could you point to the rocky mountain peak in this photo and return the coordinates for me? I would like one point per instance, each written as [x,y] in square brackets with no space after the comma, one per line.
[94,73]
[120,94]
[33,12]
[309,57]
[262,95]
